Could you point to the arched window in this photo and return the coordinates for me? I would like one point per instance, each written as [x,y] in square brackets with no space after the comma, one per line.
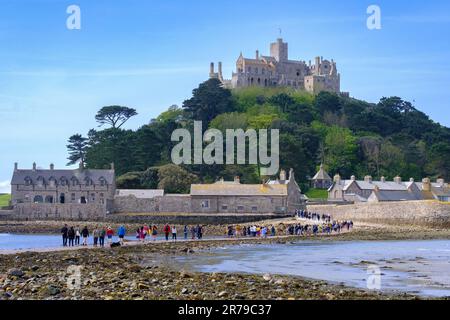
[52,182]
[48,199]
[102,181]
[74,181]
[83,200]
[88,181]
[38,199]
[63,181]
[28,181]
[40,181]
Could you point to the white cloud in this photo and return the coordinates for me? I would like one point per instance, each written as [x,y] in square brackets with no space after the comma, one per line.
[5,187]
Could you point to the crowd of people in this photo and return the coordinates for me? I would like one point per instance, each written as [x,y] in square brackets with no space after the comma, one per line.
[303,214]
[76,236]
[319,224]
[71,236]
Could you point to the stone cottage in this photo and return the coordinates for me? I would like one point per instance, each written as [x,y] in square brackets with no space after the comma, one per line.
[52,193]
[368,190]
[321,180]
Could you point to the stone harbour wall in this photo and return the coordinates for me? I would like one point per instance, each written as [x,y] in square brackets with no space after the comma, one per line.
[427,213]
[52,211]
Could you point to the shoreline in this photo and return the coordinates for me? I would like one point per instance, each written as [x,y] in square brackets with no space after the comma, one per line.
[141,271]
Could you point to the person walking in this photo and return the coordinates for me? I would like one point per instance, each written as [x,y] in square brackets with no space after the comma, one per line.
[186,231]
[85,235]
[121,233]
[272,231]
[193,232]
[109,234]
[102,235]
[95,234]
[199,232]
[174,233]
[71,236]
[166,231]
[77,236]
[64,233]
[154,232]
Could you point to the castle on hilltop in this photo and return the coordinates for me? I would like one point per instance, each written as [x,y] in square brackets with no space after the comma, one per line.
[277,70]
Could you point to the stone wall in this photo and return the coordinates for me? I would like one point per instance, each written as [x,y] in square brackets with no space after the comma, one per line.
[43,211]
[430,213]
[191,219]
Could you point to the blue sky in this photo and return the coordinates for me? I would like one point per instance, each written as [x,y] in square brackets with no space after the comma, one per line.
[150,54]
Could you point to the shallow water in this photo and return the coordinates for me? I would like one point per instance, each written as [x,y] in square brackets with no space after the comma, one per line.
[35,241]
[420,267]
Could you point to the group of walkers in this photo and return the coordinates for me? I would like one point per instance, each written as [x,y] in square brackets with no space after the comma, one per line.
[170,232]
[71,236]
[303,214]
[251,231]
[315,229]
[75,236]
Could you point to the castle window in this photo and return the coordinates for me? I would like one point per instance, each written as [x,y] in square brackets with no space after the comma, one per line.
[62,198]
[48,199]
[102,181]
[83,200]
[254,208]
[75,181]
[63,181]
[88,182]
[205,204]
[28,181]
[52,182]
[38,199]
[240,208]
[40,181]
[72,197]
[93,197]
[224,207]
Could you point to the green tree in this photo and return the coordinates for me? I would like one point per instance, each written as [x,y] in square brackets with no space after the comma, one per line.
[77,149]
[115,116]
[174,179]
[208,101]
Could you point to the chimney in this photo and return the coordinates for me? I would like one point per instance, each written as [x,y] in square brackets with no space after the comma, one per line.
[383,179]
[282,175]
[398,180]
[237,179]
[257,54]
[112,166]
[211,70]
[52,166]
[34,166]
[337,178]
[426,184]
[16,166]
[440,182]
[411,179]
[368,179]
[220,70]
[353,178]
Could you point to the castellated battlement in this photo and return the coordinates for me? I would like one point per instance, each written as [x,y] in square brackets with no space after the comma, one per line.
[277,70]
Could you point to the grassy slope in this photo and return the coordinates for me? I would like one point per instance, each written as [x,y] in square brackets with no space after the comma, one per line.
[317,194]
[4,200]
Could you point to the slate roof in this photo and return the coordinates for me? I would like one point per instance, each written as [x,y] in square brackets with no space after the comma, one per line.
[322,175]
[395,195]
[94,174]
[140,194]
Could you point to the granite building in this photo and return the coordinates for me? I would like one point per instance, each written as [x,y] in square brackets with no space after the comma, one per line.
[277,70]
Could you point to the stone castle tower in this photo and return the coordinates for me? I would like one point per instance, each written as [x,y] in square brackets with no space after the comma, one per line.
[277,70]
